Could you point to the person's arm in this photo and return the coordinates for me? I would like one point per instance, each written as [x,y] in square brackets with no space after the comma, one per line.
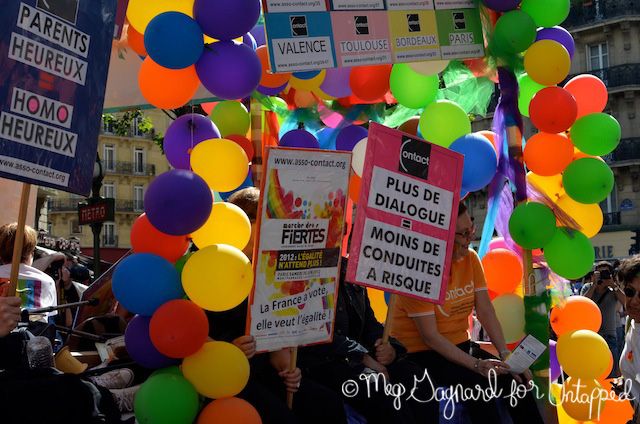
[43,263]
[428,329]
[588,291]
[487,316]
[619,293]
[9,314]
[281,361]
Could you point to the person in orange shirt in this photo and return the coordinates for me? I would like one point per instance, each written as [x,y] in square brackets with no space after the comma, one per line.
[437,336]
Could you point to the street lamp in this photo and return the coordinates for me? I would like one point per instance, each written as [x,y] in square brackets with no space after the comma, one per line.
[96,227]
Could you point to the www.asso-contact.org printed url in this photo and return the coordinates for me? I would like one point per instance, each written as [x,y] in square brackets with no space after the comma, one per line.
[30,170]
[323,163]
[299,3]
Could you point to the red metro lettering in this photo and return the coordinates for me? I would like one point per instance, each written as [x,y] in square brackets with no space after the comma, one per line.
[303,236]
[302,46]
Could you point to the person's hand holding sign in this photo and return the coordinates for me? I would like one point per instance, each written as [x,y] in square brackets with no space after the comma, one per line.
[247,344]
[291,379]
[385,353]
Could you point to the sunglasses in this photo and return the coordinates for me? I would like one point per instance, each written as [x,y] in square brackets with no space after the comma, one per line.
[630,292]
[469,233]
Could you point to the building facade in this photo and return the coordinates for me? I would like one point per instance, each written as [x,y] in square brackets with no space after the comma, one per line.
[607,37]
[129,164]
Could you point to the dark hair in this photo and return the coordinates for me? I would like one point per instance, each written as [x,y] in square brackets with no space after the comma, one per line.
[462,208]
[247,199]
[629,269]
[604,264]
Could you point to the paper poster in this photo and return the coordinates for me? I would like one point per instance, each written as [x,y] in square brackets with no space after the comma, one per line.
[284,6]
[357,5]
[405,222]
[414,35]
[361,38]
[410,4]
[454,4]
[300,41]
[301,226]
[460,32]
[54,57]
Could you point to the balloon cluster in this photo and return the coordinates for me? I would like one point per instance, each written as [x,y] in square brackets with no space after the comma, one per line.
[583,355]
[169,289]
[190,42]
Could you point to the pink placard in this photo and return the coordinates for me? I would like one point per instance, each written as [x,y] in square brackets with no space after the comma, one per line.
[405,223]
[361,38]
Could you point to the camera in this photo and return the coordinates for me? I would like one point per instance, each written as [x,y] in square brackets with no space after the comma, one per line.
[605,274]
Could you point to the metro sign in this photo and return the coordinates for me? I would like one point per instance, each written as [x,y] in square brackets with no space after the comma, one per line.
[96,212]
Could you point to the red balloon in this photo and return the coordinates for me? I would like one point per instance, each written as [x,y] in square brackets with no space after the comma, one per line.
[179,328]
[243,142]
[369,83]
[590,93]
[145,238]
[553,110]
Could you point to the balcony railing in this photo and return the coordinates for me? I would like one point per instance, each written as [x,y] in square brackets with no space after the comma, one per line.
[618,76]
[628,149]
[71,205]
[612,218]
[586,12]
[109,240]
[128,168]
[129,206]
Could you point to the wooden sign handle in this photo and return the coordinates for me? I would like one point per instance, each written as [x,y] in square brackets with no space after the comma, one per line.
[292,367]
[19,241]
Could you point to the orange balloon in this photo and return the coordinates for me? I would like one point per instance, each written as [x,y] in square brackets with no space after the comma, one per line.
[136,41]
[355,184]
[243,142]
[268,79]
[229,411]
[548,154]
[577,313]
[167,88]
[605,374]
[502,270]
[145,238]
[304,99]
[410,126]
[370,83]
[574,391]
[615,410]
[590,93]
[492,137]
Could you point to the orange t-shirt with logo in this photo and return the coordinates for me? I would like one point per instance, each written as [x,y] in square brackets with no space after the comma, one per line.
[452,317]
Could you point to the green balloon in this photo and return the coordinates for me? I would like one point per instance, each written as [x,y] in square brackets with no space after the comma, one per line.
[231,117]
[588,180]
[515,31]
[546,13]
[180,263]
[443,122]
[166,399]
[596,134]
[532,225]
[569,254]
[528,89]
[412,89]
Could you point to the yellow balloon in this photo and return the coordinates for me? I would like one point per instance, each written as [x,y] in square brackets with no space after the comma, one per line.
[217,278]
[589,217]
[308,84]
[227,224]
[510,312]
[378,304]
[547,62]
[549,186]
[141,12]
[583,354]
[217,370]
[582,399]
[322,95]
[430,67]
[222,163]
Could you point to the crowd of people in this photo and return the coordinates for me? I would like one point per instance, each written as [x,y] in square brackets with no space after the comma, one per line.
[426,339]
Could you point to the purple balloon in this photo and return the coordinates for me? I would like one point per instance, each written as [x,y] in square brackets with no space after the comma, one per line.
[178,202]
[349,136]
[502,5]
[267,91]
[228,70]
[139,346]
[249,41]
[258,34]
[184,134]
[226,19]
[336,82]
[554,365]
[559,34]
[299,139]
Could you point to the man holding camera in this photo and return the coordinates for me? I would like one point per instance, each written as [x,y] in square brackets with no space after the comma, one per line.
[604,291]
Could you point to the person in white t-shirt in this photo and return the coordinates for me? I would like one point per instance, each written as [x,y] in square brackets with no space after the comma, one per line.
[630,358]
[35,288]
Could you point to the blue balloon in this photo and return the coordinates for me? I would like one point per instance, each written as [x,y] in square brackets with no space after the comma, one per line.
[258,34]
[248,182]
[306,75]
[173,40]
[387,298]
[143,282]
[480,161]
[140,347]
[350,136]
[249,41]
[327,138]
[299,139]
